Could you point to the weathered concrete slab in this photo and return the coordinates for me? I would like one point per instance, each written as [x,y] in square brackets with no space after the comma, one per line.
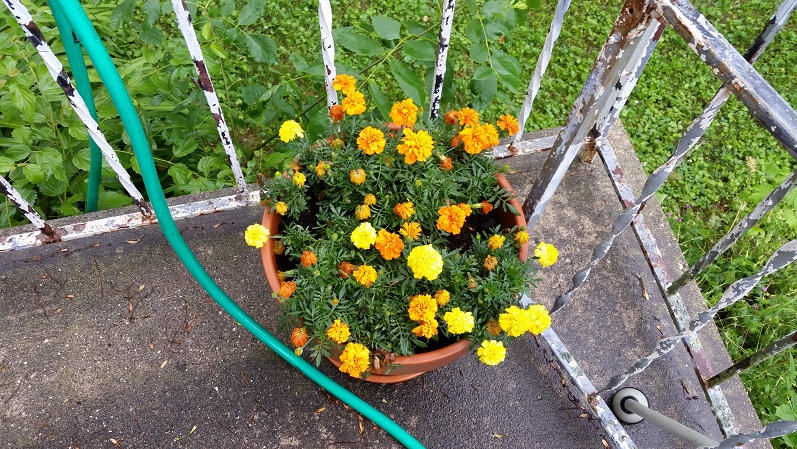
[109,339]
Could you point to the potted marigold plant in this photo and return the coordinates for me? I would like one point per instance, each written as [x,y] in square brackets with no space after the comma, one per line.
[397,242]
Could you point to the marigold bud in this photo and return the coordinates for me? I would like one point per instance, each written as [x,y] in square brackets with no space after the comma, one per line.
[336,113]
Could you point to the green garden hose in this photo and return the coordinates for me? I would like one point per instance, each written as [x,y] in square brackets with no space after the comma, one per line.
[77,66]
[83,28]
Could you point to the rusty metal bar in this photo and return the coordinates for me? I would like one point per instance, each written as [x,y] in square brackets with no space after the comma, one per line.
[442,54]
[327,50]
[185,23]
[763,102]
[539,70]
[772,430]
[625,52]
[129,221]
[47,234]
[523,148]
[579,388]
[772,349]
[34,35]
[785,255]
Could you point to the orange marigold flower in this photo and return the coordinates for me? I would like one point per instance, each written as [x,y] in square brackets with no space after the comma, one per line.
[490,262]
[415,146]
[362,212]
[365,275]
[345,269]
[339,332]
[479,138]
[357,176]
[422,308]
[388,244]
[411,230]
[336,113]
[354,103]
[371,141]
[426,329]
[493,327]
[287,289]
[404,113]
[355,359]
[468,117]
[336,144]
[442,297]
[466,208]
[344,83]
[278,247]
[369,200]
[452,117]
[486,207]
[404,210]
[321,169]
[456,140]
[446,164]
[472,284]
[509,123]
[308,258]
[451,219]
[299,336]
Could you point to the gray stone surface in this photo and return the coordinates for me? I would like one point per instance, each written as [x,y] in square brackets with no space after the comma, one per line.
[109,339]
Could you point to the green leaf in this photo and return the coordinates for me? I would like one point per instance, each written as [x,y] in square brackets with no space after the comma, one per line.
[251,12]
[152,8]
[533,4]
[409,82]
[492,9]
[206,31]
[52,187]
[415,28]
[17,152]
[474,31]
[52,162]
[251,94]
[420,50]
[357,42]
[262,48]
[79,132]
[6,164]
[299,63]
[82,159]
[184,147]
[33,173]
[484,86]
[386,28]
[67,210]
[382,103]
[478,52]
[22,134]
[23,99]
[210,164]
[181,174]
[122,14]
[109,199]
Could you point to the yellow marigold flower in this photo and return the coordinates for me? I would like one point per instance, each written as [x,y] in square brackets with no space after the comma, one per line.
[369,200]
[365,275]
[411,230]
[308,259]
[336,113]
[290,130]
[256,235]
[279,247]
[538,319]
[299,336]
[490,262]
[338,332]
[388,244]
[451,117]
[459,322]
[509,123]
[321,169]
[357,176]
[521,237]
[422,308]
[513,321]
[493,327]
[404,210]
[427,329]
[299,179]
[344,83]
[442,297]
[371,141]
[451,219]
[468,117]
[426,262]
[287,289]
[491,352]
[354,103]
[363,236]
[547,254]
[355,359]
[362,212]
[281,208]
[496,241]
[415,146]
[404,113]
[336,144]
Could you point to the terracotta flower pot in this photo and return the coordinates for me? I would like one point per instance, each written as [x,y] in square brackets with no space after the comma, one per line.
[404,367]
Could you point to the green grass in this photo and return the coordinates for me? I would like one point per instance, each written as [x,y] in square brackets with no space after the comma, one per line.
[735,165]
